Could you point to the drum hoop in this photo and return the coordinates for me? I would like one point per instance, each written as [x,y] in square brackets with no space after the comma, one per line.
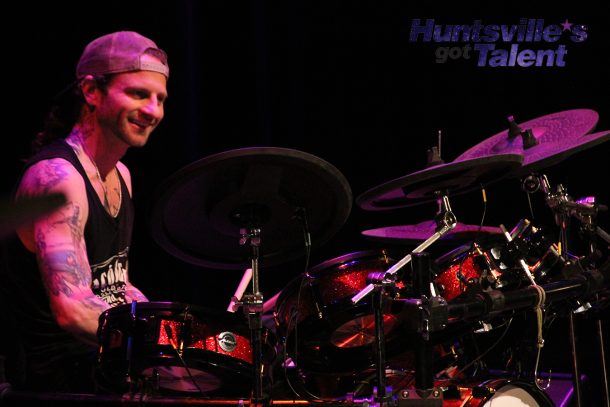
[348,257]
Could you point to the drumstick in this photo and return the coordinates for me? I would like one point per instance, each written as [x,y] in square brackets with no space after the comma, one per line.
[269,305]
[245,280]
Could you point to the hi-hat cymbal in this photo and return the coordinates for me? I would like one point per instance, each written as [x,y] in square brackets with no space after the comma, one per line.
[407,234]
[454,177]
[202,208]
[554,137]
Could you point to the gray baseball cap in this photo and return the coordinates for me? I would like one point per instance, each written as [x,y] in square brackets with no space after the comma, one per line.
[120,52]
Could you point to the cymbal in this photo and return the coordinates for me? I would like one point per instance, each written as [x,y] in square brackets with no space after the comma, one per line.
[421,231]
[554,152]
[201,208]
[15,214]
[557,136]
[454,177]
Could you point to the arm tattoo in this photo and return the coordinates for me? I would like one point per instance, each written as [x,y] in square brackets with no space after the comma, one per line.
[94,303]
[51,175]
[63,267]
[62,271]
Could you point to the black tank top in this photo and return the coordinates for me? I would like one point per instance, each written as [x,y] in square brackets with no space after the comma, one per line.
[48,348]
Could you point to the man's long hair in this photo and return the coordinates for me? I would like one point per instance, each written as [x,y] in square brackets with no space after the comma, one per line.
[64,113]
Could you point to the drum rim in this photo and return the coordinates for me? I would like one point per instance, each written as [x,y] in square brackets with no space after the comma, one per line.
[328,264]
[318,270]
[235,318]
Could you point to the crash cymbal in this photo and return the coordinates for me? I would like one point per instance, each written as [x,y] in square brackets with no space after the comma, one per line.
[15,214]
[202,207]
[552,153]
[454,177]
[419,232]
[553,138]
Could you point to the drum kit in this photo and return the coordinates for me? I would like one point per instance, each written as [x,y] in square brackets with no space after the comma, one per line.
[377,326]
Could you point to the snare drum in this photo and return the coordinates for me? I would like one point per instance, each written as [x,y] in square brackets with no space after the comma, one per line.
[324,331]
[178,348]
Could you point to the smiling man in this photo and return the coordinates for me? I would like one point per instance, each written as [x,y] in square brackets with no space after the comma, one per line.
[71,265]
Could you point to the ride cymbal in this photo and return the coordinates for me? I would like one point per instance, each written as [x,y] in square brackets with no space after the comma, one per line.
[202,208]
[544,141]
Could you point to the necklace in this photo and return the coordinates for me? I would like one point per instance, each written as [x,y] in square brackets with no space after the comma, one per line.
[80,145]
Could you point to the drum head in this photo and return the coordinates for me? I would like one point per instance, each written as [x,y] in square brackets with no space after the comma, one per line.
[509,393]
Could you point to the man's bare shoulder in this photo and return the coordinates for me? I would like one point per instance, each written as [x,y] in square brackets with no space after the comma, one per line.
[52,175]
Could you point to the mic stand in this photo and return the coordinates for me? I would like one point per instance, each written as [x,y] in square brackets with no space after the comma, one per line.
[253,308]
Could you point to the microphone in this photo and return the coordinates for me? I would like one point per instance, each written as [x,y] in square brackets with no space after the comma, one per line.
[241,288]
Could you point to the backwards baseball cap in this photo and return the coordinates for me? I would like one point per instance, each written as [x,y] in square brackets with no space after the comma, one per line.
[118,52]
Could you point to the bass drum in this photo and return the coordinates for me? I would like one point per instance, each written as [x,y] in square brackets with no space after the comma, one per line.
[495,393]
[324,331]
[176,348]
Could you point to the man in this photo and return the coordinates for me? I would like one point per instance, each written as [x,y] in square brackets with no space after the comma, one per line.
[72,264]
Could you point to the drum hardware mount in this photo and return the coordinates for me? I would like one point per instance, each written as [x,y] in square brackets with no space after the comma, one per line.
[424,315]
[446,221]
[585,210]
[520,261]
[538,308]
[253,308]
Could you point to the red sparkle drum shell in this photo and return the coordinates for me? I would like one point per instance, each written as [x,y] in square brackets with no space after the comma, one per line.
[497,264]
[144,345]
[324,331]
[461,268]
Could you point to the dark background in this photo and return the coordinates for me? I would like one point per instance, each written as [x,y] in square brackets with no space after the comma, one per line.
[338,80]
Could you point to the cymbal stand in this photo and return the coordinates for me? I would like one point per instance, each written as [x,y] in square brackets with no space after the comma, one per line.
[381,396]
[563,206]
[446,221]
[586,210]
[427,313]
[253,308]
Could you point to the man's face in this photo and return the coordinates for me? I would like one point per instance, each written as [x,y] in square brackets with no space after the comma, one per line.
[132,106]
